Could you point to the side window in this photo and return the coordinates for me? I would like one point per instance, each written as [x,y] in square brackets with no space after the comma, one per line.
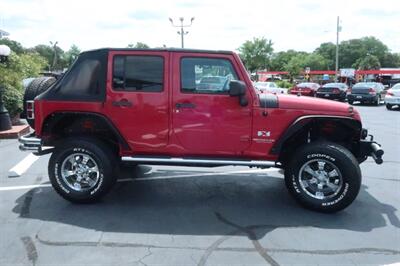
[206,75]
[138,73]
[83,79]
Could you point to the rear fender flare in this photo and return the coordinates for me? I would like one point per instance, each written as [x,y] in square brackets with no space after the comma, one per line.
[52,119]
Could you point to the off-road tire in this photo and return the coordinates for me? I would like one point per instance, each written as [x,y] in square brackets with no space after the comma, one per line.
[102,154]
[334,154]
[36,87]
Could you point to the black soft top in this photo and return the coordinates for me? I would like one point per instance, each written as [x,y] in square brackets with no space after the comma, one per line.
[180,50]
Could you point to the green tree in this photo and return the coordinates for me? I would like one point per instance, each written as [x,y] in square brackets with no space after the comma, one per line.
[70,56]
[367,63]
[139,45]
[352,50]
[280,59]
[256,54]
[15,46]
[328,52]
[47,52]
[391,60]
[299,62]
[13,72]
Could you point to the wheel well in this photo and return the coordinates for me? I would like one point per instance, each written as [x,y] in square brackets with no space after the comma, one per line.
[59,126]
[345,132]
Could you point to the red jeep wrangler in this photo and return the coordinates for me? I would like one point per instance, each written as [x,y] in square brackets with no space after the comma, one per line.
[190,108]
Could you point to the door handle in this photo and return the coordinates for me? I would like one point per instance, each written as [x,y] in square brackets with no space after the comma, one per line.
[122,103]
[185,105]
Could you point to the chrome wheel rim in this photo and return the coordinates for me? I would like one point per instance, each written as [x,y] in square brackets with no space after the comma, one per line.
[80,172]
[320,179]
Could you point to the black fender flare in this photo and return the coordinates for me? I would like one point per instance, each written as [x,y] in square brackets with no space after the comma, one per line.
[52,119]
[304,121]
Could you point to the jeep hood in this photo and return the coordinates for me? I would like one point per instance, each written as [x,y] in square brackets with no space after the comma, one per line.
[312,104]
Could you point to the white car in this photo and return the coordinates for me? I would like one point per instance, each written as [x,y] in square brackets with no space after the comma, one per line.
[270,87]
[393,97]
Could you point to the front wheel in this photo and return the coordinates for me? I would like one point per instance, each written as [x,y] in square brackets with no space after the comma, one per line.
[323,176]
[388,106]
[82,169]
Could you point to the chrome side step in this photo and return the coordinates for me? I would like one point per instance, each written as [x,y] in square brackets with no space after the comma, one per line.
[195,161]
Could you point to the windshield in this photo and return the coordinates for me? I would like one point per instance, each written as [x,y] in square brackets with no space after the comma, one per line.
[396,87]
[306,85]
[334,85]
[364,84]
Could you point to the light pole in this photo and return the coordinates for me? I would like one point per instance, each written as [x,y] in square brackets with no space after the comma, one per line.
[54,45]
[182,32]
[338,29]
[5,121]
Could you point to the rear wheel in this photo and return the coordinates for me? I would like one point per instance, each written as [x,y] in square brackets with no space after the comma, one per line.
[323,176]
[82,169]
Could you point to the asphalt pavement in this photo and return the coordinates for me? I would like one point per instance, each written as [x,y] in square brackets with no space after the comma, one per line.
[159,215]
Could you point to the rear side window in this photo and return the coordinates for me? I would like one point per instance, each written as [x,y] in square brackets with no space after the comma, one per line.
[138,73]
[83,80]
[206,75]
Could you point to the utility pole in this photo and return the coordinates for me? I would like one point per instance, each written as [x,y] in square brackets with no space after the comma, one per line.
[338,29]
[55,54]
[182,32]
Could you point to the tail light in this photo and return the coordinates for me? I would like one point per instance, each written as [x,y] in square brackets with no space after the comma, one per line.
[390,92]
[30,112]
[372,91]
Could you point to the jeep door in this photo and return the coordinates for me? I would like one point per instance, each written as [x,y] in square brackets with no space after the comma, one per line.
[205,119]
[137,98]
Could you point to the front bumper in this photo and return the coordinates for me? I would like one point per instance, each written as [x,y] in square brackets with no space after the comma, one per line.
[371,148]
[31,142]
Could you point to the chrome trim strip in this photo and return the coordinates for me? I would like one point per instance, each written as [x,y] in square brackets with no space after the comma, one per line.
[185,161]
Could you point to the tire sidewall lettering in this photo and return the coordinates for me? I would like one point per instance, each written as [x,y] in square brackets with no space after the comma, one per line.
[297,188]
[60,181]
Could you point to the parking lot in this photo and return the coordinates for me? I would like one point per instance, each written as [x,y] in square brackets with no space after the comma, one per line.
[159,215]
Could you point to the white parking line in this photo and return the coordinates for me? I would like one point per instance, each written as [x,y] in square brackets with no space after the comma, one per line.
[22,166]
[11,188]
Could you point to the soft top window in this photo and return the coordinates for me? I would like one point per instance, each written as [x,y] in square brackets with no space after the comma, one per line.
[82,80]
[85,81]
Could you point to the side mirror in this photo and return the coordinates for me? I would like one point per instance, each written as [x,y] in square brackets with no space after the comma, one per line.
[238,89]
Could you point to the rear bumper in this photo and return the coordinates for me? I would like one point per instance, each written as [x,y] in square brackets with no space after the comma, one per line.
[362,97]
[31,142]
[333,96]
[371,148]
[303,93]
[392,100]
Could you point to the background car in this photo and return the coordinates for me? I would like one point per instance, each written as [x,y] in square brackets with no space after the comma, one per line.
[212,83]
[269,87]
[306,89]
[366,92]
[392,97]
[334,91]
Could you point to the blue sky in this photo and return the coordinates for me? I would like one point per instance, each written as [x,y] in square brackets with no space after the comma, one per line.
[299,25]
